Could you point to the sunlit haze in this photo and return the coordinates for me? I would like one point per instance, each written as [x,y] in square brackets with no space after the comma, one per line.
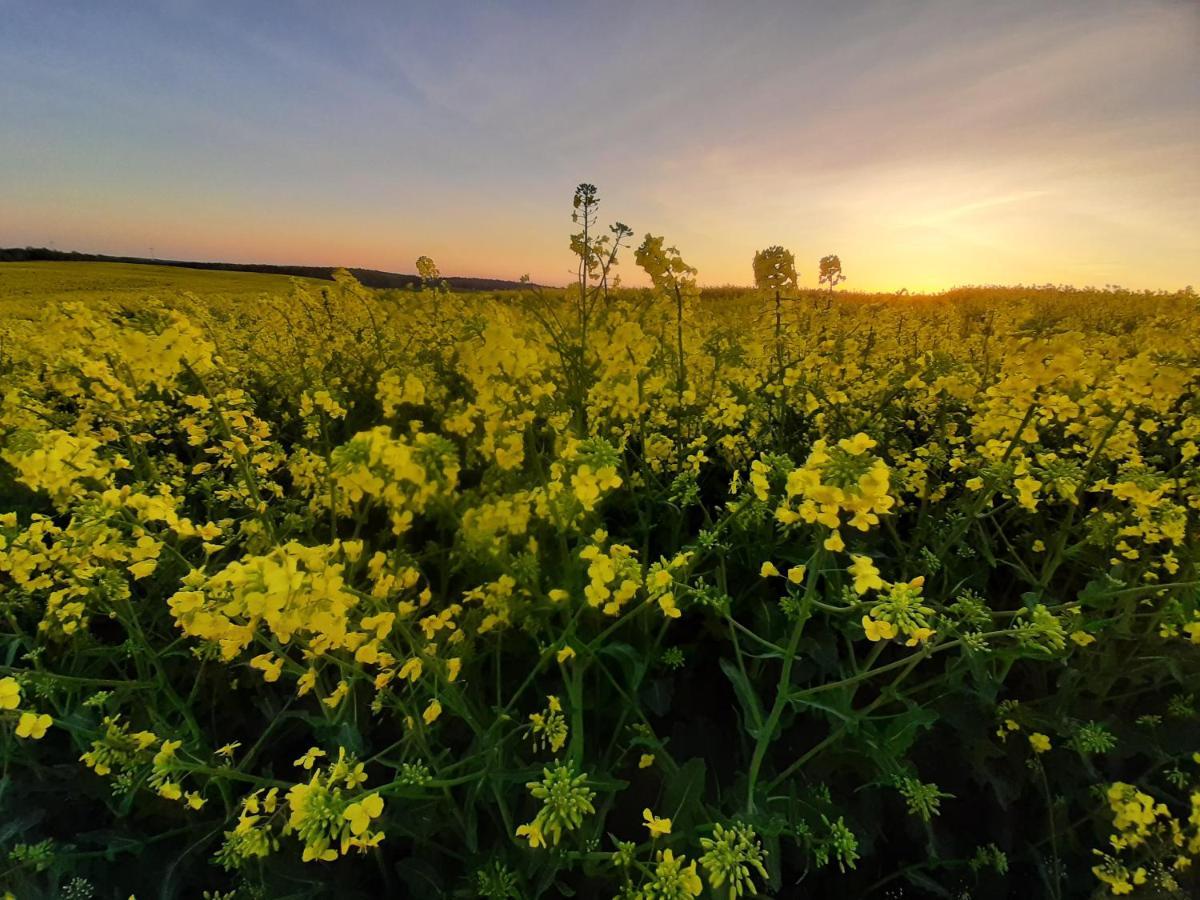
[928,144]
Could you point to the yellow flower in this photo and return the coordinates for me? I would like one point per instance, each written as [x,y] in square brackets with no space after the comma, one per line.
[10,693]
[270,665]
[315,853]
[533,833]
[918,636]
[1027,492]
[412,669]
[338,695]
[1082,638]
[567,652]
[658,827]
[857,445]
[878,629]
[144,568]
[834,542]
[33,725]
[866,576]
[768,570]
[309,759]
[796,574]
[166,753]
[683,876]
[432,711]
[646,761]
[360,814]
[1039,742]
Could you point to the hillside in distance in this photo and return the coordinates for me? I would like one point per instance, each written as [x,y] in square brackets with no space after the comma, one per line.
[368,277]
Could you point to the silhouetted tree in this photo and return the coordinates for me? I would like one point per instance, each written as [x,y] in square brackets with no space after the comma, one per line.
[775,269]
[775,272]
[830,272]
[428,270]
[597,260]
[676,280]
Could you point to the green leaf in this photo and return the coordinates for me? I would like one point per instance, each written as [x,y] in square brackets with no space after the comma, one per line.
[747,698]
[421,878]
[630,662]
[1095,594]
[919,879]
[846,715]
[683,798]
[657,695]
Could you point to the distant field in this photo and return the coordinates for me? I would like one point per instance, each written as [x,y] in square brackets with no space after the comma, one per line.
[373,278]
[48,283]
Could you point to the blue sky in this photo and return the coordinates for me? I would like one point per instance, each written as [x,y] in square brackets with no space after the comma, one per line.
[928,143]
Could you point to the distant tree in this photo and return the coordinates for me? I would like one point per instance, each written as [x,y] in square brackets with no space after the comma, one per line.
[676,280]
[428,270]
[830,272]
[586,300]
[597,253]
[775,270]
[774,273]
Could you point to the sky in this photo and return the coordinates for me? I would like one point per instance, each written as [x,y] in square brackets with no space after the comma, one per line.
[929,144]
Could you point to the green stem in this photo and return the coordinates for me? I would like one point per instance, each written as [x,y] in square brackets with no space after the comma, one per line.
[783,690]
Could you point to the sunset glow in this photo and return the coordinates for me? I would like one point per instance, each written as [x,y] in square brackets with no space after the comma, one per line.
[929,144]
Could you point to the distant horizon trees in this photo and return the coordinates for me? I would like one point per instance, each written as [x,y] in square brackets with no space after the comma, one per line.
[427,269]
[830,271]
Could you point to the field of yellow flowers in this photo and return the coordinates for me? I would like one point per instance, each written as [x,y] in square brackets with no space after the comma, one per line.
[308,590]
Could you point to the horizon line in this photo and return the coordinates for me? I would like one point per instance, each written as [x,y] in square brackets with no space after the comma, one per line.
[170,262]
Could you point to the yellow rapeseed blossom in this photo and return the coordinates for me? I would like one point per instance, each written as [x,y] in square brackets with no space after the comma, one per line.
[33,725]
[657,827]
[866,576]
[10,693]
[432,711]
